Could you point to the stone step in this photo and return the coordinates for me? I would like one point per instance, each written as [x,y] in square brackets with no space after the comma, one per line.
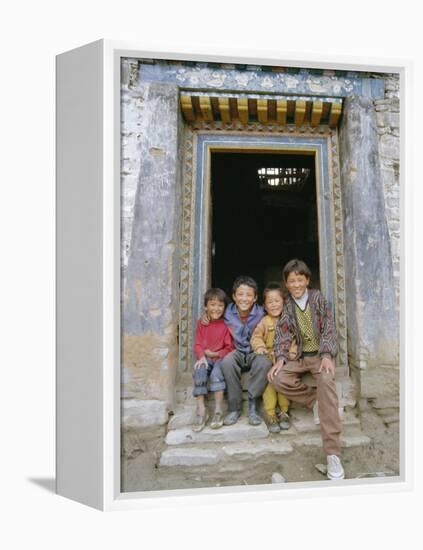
[347,441]
[246,450]
[255,462]
[190,456]
[301,418]
[194,456]
[241,431]
[242,454]
[184,414]
[302,421]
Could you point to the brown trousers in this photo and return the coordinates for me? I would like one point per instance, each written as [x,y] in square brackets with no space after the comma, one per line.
[288,381]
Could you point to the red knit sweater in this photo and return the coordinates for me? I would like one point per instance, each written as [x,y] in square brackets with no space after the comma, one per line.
[215,336]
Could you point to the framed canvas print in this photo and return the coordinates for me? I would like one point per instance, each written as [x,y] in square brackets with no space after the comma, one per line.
[229,276]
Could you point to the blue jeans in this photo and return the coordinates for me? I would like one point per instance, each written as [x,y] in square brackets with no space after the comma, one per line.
[212,374]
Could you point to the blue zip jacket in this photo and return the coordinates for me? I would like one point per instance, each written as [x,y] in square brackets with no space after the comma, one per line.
[241,332]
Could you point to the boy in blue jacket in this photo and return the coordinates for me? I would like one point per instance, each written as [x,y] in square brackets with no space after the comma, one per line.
[242,316]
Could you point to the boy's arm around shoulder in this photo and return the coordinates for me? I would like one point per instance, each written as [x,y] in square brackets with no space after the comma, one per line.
[229,317]
[258,337]
[283,337]
[281,346]
[228,344]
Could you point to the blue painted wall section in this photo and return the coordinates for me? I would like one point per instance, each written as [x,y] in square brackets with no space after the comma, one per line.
[373,322]
[234,79]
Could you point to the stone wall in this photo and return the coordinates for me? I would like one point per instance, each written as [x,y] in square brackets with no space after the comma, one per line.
[370,152]
[388,129]
[372,316]
[151,203]
[132,109]
[386,400]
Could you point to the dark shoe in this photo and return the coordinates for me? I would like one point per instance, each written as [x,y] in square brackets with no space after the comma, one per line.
[273,424]
[284,421]
[253,417]
[217,421]
[231,418]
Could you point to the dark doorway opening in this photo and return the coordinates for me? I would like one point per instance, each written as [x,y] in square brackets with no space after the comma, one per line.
[264,214]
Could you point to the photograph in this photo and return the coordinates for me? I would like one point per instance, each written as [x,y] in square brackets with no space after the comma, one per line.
[211,249]
[260,274]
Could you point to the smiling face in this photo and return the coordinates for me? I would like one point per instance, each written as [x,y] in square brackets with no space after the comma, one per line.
[244,298]
[273,303]
[297,284]
[215,309]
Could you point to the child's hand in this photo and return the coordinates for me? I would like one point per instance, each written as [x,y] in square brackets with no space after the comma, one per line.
[327,364]
[261,351]
[204,319]
[201,362]
[274,370]
[211,354]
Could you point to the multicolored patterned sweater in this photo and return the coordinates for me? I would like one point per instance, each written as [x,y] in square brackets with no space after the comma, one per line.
[324,327]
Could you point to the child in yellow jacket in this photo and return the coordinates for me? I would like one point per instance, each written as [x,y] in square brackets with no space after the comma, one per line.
[262,343]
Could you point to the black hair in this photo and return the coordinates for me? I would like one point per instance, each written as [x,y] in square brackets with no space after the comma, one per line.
[215,294]
[272,286]
[245,280]
[296,266]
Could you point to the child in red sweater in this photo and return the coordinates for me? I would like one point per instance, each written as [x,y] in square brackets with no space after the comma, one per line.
[211,343]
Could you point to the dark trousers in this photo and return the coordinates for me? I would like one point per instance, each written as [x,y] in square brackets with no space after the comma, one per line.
[237,362]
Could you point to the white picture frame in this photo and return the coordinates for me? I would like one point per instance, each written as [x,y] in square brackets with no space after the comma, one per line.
[88,281]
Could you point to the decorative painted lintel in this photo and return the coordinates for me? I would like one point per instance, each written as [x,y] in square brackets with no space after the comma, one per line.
[197,77]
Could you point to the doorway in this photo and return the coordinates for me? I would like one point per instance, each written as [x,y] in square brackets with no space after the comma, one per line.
[264,213]
[221,183]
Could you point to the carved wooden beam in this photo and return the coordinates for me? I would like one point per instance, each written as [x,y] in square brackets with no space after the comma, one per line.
[300,111]
[186,106]
[335,113]
[206,108]
[316,113]
[281,111]
[242,104]
[262,110]
[225,112]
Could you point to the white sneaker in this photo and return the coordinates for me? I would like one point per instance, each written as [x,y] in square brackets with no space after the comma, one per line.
[316,412]
[335,469]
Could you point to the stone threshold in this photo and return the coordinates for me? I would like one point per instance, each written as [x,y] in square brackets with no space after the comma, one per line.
[179,427]
[244,442]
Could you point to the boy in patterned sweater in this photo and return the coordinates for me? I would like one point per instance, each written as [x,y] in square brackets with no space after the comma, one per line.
[307,318]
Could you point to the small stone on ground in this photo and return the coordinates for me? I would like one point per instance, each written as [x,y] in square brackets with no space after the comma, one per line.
[278,478]
[323,469]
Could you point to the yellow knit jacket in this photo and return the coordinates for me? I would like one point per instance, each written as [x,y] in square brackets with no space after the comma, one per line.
[263,337]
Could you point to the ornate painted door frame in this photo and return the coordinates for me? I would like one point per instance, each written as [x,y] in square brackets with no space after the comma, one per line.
[201,139]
